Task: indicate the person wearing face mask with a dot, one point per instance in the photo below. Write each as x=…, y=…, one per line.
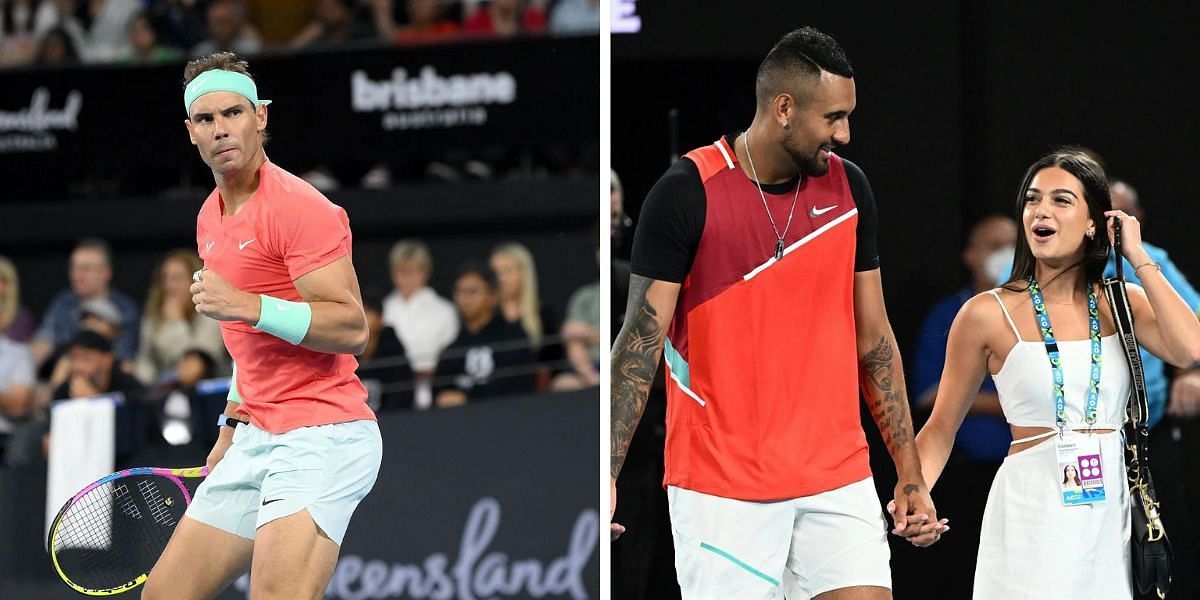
x=983, y=437
x=1048, y=340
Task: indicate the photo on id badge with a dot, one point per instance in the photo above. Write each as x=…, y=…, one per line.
x=1080, y=470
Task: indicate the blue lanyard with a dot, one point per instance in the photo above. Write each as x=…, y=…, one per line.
x=1043, y=319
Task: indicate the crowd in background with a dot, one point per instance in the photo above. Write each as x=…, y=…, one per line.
x=489, y=336
x=132, y=32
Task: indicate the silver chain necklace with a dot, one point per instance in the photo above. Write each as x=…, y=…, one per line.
x=778, y=237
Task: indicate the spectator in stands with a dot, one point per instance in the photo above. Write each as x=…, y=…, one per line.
x=581, y=336
x=16, y=322
x=489, y=358
x=91, y=276
x=425, y=322
x=22, y=22
x=57, y=47
x=506, y=18
x=427, y=22
x=178, y=24
x=385, y=361
x=519, y=300
x=984, y=436
x=94, y=371
x=108, y=33
x=180, y=407
x=171, y=326
x=144, y=45
x=228, y=30
x=335, y=22
x=99, y=315
x=575, y=17
x=16, y=386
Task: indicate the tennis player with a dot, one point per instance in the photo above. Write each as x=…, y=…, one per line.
x=299, y=448
x=771, y=316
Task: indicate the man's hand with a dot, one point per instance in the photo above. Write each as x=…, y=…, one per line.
x=82, y=387
x=1185, y=395
x=914, y=515
x=224, y=441
x=216, y=298
x=614, y=528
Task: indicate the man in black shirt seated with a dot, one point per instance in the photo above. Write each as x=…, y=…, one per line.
x=490, y=357
x=94, y=371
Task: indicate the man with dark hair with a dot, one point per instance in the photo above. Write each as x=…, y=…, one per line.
x=770, y=313
x=490, y=357
x=278, y=276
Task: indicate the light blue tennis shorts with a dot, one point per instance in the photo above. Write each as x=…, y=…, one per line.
x=327, y=469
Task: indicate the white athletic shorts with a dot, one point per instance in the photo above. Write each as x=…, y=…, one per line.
x=326, y=469
x=793, y=549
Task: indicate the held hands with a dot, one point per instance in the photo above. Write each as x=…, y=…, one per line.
x=216, y=298
x=914, y=516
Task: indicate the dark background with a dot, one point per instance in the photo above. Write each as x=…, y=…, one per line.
x=955, y=100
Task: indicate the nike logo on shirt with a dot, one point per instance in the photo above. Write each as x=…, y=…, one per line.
x=242, y=245
x=816, y=212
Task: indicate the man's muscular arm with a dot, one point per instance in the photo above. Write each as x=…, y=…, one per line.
x=635, y=358
x=338, y=326
x=881, y=377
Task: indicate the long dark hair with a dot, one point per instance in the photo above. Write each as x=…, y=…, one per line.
x=1095, y=193
x=1067, y=478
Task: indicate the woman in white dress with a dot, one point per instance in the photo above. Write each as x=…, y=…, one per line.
x=1043, y=538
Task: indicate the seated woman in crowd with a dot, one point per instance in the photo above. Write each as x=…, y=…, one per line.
x=171, y=325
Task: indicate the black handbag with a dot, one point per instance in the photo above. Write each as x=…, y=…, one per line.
x=1150, y=549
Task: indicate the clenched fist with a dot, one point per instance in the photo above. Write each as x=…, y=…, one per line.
x=216, y=298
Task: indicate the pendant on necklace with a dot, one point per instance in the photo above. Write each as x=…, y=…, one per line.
x=779, y=250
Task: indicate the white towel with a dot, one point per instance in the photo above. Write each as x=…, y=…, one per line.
x=82, y=439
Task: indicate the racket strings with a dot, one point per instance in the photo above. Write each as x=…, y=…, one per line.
x=116, y=532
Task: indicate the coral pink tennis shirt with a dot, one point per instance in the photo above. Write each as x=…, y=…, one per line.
x=285, y=231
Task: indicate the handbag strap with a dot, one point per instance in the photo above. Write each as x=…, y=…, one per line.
x=1137, y=410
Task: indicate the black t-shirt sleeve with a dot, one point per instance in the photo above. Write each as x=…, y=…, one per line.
x=866, y=256
x=670, y=225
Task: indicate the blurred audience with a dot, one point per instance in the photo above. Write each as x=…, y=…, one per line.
x=427, y=22
x=338, y=21
x=91, y=275
x=425, y=322
x=16, y=387
x=94, y=371
x=16, y=321
x=171, y=326
x=506, y=18
x=108, y=30
x=145, y=47
x=178, y=405
x=21, y=23
x=575, y=17
x=581, y=336
x=57, y=47
x=490, y=357
x=384, y=366
x=519, y=301
x=228, y=29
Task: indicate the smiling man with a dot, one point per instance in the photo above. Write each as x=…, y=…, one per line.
x=299, y=448
x=756, y=274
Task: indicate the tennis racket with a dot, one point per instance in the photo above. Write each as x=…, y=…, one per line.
x=107, y=537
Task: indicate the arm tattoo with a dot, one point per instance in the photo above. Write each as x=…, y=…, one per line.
x=886, y=400
x=634, y=362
